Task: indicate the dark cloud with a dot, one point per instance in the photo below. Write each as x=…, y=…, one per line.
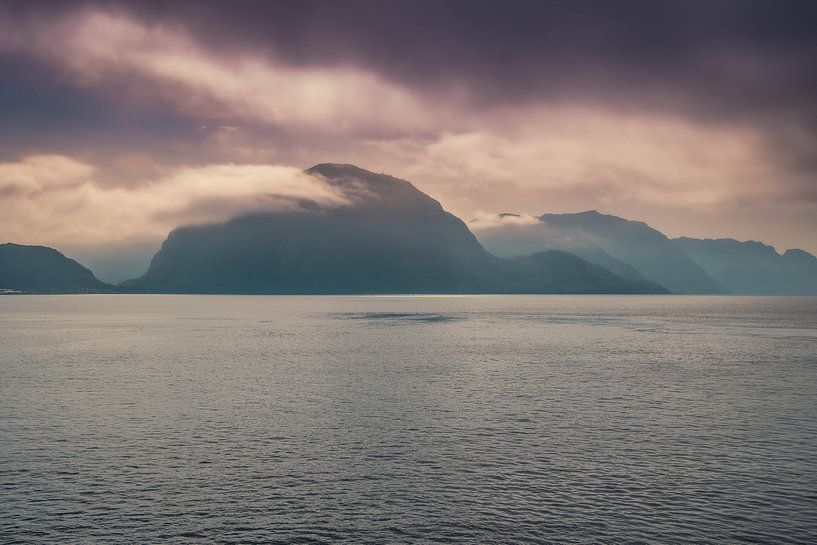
x=748, y=62
x=714, y=59
x=678, y=103
x=43, y=111
x=748, y=54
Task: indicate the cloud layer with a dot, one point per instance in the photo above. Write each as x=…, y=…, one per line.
x=57, y=200
x=695, y=117
x=105, y=49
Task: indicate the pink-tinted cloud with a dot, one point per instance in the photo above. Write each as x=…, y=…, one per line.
x=59, y=200
x=602, y=156
x=105, y=49
x=532, y=156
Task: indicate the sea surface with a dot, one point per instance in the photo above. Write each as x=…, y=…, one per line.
x=473, y=419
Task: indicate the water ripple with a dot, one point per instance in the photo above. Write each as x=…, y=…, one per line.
x=545, y=420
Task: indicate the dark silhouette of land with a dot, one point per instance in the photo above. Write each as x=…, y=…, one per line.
x=391, y=237
x=753, y=267
x=43, y=270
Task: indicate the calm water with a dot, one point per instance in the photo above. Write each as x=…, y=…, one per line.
x=544, y=419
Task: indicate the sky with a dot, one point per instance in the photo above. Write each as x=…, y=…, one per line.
x=122, y=120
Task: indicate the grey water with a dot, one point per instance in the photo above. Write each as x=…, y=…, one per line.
x=474, y=419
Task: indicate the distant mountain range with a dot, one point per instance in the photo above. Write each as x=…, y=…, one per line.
x=684, y=265
x=630, y=248
x=393, y=238
x=753, y=267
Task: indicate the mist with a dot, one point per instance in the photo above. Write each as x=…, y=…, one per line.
x=61, y=201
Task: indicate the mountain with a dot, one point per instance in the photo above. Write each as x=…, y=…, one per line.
x=754, y=268
x=630, y=249
x=41, y=269
x=390, y=238
x=555, y=271
x=637, y=244
x=801, y=258
x=511, y=240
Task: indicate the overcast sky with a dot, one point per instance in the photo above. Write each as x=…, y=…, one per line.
x=120, y=120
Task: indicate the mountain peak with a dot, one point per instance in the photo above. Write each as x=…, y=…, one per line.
x=595, y=219
x=370, y=188
x=730, y=244
x=592, y=215
x=334, y=170
x=798, y=252
x=801, y=257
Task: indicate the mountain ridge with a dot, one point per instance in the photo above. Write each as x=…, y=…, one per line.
x=615, y=242
x=391, y=238
x=387, y=236
x=754, y=268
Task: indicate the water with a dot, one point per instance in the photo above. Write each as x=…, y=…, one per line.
x=542, y=419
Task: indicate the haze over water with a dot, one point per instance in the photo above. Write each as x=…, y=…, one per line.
x=475, y=419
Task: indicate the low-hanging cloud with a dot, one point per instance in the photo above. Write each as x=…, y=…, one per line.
x=509, y=235
x=56, y=200
x=486, y=221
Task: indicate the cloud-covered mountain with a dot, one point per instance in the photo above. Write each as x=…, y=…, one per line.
x=44, y=270
x=631, y=249
x=754, y=268
x=516, y=235
x=389, y=237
